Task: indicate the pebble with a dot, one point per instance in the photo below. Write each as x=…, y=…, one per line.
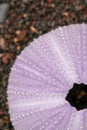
x=25, y=15
x=15, y=39
x=49, y=1
x=1, y=55
x=18, y=32
x=66, y=14
x=7, y=57
x=1, y=123
x=6, y=120
x=10, y=31
x=1, y=112
x=3, y=43
x=18, y=48
x=22, y=35
x=33, y=29
x=25, y=1
x=4, y=7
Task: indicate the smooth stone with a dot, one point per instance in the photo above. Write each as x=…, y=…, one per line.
x=4, y=7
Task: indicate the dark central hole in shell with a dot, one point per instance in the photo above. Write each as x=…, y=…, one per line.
x=77, y=96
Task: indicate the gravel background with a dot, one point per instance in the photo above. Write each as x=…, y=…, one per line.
x=26, y=20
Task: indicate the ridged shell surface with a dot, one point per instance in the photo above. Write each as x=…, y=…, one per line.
x=41, y=78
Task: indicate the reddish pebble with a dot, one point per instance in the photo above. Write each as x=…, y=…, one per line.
x=14, y=15
x=49, y=1
x=1, y=112
x=8, y=56
x=6, y=119
x=22, y=35
x=10, y=30
x=80, y=7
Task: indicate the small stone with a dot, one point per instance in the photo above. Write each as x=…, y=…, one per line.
x=4, y=7
x=6, y=119
x=18, y=32
x=1, y=26
x=22, y=35
x=1, y=55
x=1, y=123
x=33, y=29
x=18, y=48
x=52, y=5
x=10, y=30
x=25, y=15
x=5, y=60
x=14, y=15
x=1, y=112
x=80, y=7
x=3, y=43
x=7, y=57
x=8, y=22
x=6, y=104
x=15, y=40
x=66, y=14
x=25, y=1
x=49, y=1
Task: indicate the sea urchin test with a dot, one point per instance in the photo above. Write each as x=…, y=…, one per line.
x=47, y=88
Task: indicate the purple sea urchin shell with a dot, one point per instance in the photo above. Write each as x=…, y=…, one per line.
x=42, y=76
